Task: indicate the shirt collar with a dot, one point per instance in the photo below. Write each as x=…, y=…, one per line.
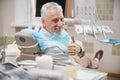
x=45, y=33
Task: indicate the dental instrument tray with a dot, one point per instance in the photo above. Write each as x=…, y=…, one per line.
x=111, y=41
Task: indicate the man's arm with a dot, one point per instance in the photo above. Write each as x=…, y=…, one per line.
x=75, y=47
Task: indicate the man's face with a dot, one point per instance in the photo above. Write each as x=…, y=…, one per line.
x=54, y=21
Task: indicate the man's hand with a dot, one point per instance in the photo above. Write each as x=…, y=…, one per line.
x=73, y=48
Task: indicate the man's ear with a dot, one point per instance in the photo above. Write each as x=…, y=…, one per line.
x=43, y=22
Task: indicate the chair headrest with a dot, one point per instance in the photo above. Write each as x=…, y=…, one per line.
x=26, y=42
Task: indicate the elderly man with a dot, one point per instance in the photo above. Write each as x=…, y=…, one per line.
x=59, y=44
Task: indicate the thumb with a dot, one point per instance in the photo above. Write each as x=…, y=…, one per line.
x=73, y=39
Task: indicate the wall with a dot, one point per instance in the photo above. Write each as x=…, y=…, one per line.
x=7, y=18
x=1, y=28
x=110, y=61
x=12, y=12
x=21, y=11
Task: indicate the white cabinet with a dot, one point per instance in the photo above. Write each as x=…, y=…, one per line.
x=22, y=12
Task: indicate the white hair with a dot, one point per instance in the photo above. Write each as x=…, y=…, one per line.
x=49, y=5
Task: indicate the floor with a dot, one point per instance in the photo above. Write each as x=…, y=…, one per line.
x=111, y=78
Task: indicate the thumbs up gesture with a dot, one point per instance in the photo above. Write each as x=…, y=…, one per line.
x=73, y=48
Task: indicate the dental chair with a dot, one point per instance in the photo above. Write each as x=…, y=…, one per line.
x=29, y=48
x=28, y=45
